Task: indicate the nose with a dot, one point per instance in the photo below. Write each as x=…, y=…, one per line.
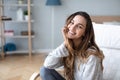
x=71, y=27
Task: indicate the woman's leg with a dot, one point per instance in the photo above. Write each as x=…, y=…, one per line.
x=50, y=74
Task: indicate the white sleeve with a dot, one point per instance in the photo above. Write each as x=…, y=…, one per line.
x=92, y=70
x=53, y=60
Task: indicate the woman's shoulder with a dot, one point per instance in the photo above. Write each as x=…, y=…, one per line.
x=91, y=50
x=93, y=59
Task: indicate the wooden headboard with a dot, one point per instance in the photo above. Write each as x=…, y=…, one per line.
x=101, y=19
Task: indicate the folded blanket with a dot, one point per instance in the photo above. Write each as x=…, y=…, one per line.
x=9, y=47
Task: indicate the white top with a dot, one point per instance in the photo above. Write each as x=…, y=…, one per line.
x=91, y=70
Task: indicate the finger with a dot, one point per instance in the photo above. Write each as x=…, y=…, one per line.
x=65, y=29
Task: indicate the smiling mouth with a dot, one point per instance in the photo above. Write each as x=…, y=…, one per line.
x=72, y=33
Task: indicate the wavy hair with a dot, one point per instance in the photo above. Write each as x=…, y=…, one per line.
x=82, y=53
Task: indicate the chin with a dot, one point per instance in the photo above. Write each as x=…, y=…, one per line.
x=70, y=37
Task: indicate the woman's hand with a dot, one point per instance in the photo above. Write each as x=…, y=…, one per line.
x=64, y=32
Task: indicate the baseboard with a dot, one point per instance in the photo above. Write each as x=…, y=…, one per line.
x=43, y=51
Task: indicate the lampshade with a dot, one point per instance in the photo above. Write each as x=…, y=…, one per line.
x=53, y=2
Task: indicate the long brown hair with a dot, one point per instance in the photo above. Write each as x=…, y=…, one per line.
x=87, y=42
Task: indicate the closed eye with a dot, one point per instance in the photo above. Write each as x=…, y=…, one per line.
x=80, y=26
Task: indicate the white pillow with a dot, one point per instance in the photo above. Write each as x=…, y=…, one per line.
x=107, y=35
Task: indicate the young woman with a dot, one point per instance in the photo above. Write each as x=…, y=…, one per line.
x=79, y=54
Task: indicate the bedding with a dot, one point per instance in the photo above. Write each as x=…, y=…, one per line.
x=108, y=39
x=111, y=64
x=107, y=35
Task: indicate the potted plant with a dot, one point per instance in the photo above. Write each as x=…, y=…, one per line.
x=26, y=14
x=20, y=1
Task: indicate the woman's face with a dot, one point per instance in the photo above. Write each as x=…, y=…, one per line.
x=76, y=28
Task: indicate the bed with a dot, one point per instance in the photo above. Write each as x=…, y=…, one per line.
x=107, y=33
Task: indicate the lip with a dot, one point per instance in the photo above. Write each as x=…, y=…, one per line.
x=72, y=33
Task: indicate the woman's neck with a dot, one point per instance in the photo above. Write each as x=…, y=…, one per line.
x=76, y=43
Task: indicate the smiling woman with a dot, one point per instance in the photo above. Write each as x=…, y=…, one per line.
x=79, y=54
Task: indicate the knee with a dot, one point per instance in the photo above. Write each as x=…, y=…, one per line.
x=43, y=71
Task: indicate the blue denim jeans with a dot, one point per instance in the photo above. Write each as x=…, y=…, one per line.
x=50, y=74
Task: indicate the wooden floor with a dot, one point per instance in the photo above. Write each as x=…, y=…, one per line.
x=20, y=67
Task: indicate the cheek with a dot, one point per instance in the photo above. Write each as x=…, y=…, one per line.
x=80, y=33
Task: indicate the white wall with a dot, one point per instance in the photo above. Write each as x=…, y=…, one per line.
x=42, y=16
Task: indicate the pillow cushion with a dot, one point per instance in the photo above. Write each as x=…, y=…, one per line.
x=107, y=35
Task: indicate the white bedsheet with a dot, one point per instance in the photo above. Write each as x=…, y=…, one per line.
x=111, y=64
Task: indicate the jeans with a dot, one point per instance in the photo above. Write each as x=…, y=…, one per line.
x=50, y=74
